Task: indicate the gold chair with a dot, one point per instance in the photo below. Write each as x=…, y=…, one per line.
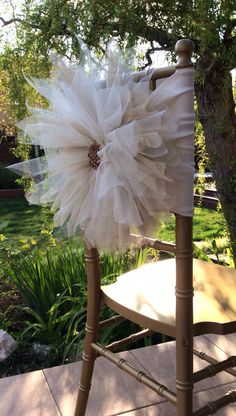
x=211, y=310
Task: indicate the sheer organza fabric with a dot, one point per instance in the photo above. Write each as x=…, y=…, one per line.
x=145, y=151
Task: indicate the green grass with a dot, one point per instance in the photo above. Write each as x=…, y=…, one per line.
x=207, y=225
x=23, y=220
x=26, y=221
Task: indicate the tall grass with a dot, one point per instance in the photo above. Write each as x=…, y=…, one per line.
x=53, y=288
x=42, y=278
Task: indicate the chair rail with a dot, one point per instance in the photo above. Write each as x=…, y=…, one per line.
x=154, y=243
x=212, y=407
x=140, y=376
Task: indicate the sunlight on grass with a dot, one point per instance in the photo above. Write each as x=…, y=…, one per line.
x=207, y=225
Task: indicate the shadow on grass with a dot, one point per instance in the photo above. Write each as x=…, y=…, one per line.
x=23, y=220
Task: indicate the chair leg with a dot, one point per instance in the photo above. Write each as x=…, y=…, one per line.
x=91, y=329
x=184, y=373
x=89, y=356
x=184, y=402
x=184, y=316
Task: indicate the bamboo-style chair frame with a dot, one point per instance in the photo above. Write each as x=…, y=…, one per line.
x=184, y=329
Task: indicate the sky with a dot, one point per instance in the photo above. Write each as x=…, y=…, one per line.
x=6, y=11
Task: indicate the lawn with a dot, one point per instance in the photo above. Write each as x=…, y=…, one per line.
x=207, y=225
x=26, y=221
x=23, y=220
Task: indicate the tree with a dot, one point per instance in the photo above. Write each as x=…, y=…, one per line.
x=7, y=122
x=52, y=25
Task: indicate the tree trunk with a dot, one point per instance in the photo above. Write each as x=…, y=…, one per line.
x=216, y=110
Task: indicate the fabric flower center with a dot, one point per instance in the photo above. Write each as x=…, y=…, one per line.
x=94, y=159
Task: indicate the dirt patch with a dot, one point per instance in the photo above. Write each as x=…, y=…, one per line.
x=9, y=297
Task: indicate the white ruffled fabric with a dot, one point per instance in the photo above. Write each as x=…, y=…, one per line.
x=146, y=150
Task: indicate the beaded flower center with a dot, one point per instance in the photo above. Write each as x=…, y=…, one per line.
x=94, y=159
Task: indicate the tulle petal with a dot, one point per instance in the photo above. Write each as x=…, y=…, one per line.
x=144, y=145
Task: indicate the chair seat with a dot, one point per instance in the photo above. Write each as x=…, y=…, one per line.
x=147, y=296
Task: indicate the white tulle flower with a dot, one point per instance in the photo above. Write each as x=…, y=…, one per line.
x=111, y=149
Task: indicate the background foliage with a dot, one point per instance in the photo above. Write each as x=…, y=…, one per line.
x=46, y=26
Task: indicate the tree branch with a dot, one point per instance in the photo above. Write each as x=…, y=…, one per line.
x=150, y=51
x=228, y=35
x=9, y=22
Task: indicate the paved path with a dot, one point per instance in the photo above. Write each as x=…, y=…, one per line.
x=52, y=392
